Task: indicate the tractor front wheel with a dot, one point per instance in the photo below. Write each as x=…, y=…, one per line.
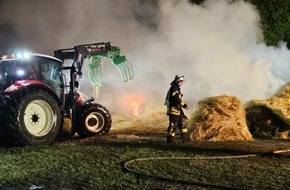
x=93, y=119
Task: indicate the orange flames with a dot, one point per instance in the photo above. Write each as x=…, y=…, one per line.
x=134, y=101
x=136, y=106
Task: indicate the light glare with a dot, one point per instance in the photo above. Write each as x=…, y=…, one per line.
x=19, y=55
x=26, y=55
x=20, y=72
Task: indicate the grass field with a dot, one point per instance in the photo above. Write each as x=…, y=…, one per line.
x=98, y=163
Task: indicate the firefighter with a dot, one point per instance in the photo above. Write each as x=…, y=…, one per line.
x=175, y=107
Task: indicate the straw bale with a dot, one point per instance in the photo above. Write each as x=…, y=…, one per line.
x=219, y=118
x=270, y=117
x=66, y=129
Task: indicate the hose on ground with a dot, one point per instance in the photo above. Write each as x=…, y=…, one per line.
x=126, y=166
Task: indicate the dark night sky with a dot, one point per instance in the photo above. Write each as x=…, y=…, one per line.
x=43, y=25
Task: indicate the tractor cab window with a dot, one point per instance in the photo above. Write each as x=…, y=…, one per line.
x=5, y=73
x=13, y=70
x=32, y=71
x=25, y=70
x=50, y=71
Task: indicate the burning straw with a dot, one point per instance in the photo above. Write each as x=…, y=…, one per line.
x=270, y=117
x=219, y=118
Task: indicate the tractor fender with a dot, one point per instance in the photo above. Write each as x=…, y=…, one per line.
x=23, y=85
x=82, y=103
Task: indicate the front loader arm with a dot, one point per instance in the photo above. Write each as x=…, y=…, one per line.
x=96, y=52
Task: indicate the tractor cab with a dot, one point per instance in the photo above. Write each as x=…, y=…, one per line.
x=31, y=67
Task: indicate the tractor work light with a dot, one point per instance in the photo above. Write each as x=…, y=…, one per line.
x=11, y=56
x=20, y=55
x=4, y=57
x=23, y=55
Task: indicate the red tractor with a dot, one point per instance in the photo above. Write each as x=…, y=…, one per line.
x=35, y=95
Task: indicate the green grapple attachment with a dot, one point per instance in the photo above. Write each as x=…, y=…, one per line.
x=94, y=53
x=95, y=73
x=120, y=62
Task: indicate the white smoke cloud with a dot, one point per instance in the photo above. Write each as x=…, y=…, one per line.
x=218, y=45
x=210, y=45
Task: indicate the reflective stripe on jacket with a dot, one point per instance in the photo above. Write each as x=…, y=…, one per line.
x=173, y=100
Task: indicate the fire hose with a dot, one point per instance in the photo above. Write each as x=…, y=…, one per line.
x=126, y=166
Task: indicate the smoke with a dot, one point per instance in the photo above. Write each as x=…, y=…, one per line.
x=217, y=45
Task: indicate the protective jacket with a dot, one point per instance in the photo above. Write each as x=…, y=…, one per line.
x=173, y=100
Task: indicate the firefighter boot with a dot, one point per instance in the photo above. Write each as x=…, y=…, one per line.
x=184, y=137
x=170, y=139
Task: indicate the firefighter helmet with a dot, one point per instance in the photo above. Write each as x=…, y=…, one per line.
x=177, y=78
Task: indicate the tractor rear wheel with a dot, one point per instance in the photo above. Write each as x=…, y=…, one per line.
x=34, y=118
x=93, y=119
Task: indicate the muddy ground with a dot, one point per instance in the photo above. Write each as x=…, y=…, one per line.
x=147, y=127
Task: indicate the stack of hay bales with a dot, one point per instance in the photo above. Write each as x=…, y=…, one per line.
x=270, y=117
x=219, y=118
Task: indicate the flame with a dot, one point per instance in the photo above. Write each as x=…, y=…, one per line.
x=136, y=106
x=134, y=101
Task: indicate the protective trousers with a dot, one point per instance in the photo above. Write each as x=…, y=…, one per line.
x=177, y=121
